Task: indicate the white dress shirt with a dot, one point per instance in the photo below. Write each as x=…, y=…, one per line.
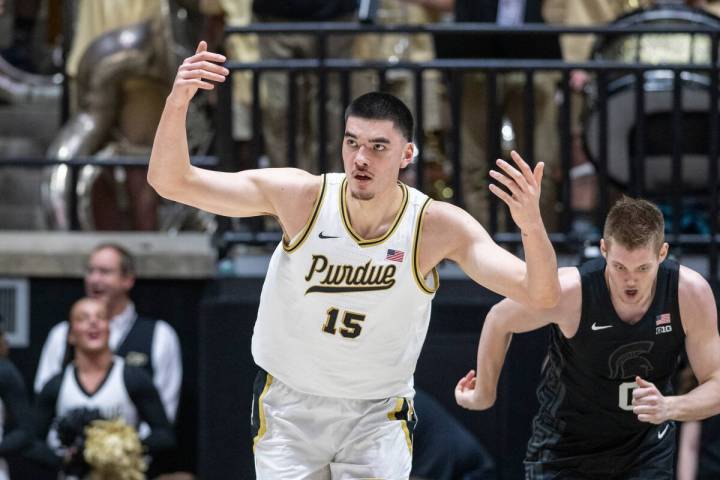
x=166, y=357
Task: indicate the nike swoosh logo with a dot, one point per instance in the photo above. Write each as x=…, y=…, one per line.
x=600, y=327
x=662, y=432
x=323, y=236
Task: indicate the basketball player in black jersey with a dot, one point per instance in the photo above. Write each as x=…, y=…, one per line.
x=606, y=404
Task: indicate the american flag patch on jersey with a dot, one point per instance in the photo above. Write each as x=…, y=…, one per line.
x=395, y=255
x=662, y=319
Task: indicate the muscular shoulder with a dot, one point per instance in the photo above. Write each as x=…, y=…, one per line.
x=449, y=227
x=570, y=287
x=695, y=297
x=294, y=198
x=569, y=307
x=692, y=285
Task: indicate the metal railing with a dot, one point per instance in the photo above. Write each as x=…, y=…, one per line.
x=453, y=69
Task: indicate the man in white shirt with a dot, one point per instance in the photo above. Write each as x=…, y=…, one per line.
x=148, y=343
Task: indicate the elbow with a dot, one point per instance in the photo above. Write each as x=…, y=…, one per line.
x=547, y=297
x=156, y=181
x=163, y=185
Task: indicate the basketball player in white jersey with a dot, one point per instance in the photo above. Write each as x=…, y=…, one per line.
x=346, y=302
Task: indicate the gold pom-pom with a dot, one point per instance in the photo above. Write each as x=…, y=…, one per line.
x=113, y=451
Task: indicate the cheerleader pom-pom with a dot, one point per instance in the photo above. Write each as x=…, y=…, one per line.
x=113, y=451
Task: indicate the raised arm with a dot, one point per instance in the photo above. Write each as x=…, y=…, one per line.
x=284, y=193
x=698, y=313
x=451, y=233
x=478, y=389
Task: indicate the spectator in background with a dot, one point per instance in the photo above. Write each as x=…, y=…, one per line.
x=275, y=85
x=510, y=97
x=15, y=414
x=404, y=47
x=96, y=384
x=142, y=342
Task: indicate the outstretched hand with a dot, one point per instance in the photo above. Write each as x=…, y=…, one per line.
x=197, y=72
x=649, y=404
x=524, y=186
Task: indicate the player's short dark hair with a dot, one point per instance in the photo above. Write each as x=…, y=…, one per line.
x=383, y=106
x=635, y=223
x=127, y=262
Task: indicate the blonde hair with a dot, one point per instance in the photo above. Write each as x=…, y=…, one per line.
x=635, y=223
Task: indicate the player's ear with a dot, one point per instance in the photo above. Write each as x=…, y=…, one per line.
x=408, y=154
x=664, y=251
x=603, y=247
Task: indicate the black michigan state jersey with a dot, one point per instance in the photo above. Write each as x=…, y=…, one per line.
x=585, y=417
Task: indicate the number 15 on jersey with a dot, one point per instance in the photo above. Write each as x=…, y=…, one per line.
x=351, y=325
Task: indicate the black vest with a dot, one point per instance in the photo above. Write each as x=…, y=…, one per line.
x=585, y=393
x=136, y=348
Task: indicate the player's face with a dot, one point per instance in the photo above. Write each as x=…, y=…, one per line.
x=631, y=274
x=104, y=278
x=89, y=326
x=373, y=153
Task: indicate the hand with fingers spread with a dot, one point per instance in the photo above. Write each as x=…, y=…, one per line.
x=197, y=72
x=467, y=395
x=523, y=185
x=649, y=404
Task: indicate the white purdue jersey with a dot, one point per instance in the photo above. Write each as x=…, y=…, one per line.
x=342, y=316
x=111, y=399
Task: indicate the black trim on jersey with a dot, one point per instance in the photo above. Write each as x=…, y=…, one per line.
x=291, y=247
x=258, y=419
x=258, y=386
x=371, y=241
x=416, y=241
x=99, y=387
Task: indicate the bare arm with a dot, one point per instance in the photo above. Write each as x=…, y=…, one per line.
x=702, y=343
x=240, y=194
x=478, y=389
x=688, y=450
x=449, y=232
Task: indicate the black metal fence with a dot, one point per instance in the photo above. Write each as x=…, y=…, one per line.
x=648, y=131
x=683, y=133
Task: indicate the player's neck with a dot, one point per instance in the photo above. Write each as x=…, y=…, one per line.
x=631, y=312
x=372, y=218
